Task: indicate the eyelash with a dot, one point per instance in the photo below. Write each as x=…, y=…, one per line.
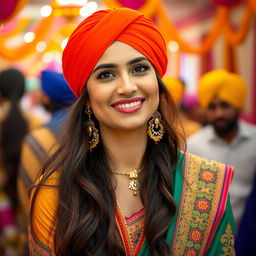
x=102, y=75
x=109, y=74
x=145, y=67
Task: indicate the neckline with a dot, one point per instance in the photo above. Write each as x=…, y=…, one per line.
x=123, y=227
x=139, y=212
x=132, y=215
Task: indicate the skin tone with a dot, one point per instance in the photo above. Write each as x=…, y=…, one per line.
x=123, y=93
x=224, y=118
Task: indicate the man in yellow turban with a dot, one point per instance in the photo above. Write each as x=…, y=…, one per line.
x=226, y=138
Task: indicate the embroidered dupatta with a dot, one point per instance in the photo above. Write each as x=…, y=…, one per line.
x=203, y=224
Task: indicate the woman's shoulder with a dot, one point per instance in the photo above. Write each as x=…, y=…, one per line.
x=45, y=191
x=44, y=208
x=201, y=177
x=204, y=166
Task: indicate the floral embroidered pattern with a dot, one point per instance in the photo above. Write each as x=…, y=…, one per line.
x=199, y=206
x=227, y=239
x=191, y=252
x=207, y=176
x=196, y=235
x=202, y=205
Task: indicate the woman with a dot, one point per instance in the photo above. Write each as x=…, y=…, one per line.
x=118, y=183
x=13, y=127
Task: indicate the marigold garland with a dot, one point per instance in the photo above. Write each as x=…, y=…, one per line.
x=151, y=8
x=21, y=26
x=170, y=32
x=26, y=49
x=235, y=37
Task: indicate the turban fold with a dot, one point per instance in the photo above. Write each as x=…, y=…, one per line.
x=175, y=88
x=56, y=88
x=96, y=33
x=228, y=86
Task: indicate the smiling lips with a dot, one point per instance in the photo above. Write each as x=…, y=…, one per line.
x=128, y=106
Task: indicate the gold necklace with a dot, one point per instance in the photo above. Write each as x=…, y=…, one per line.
x=133, y=175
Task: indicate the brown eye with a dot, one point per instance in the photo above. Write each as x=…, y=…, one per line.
x=105, y=75
x=140, y=68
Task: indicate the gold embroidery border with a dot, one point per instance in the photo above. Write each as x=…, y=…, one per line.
x=190, y=194
x=227, y=240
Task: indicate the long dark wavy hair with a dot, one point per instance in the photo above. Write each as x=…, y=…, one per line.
x=13, y=128
x=85, y=216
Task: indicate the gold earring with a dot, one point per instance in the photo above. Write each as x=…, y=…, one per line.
x=156, y=128
x=92, y=130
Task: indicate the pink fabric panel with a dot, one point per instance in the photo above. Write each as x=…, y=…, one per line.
x=7, y=8
x=226, y=2
x=133, y=4
x=6, y=218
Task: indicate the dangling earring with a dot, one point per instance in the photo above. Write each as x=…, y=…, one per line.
x=92, y=130
x=156, y=128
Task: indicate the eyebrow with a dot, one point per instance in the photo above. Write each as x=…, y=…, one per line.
x=136, y=60
x=110, y=65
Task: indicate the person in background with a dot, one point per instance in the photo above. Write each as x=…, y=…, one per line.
x=32, y=101
x=39, y=143
x=118, y=183
x=226, y=138
x=14, y=127
x=177, y=89
x=245, y=238
x=192, y=110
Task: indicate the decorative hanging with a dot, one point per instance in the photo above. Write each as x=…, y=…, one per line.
x=226, y=2
x=10, y=8
x=147, y=7
x=221, y=26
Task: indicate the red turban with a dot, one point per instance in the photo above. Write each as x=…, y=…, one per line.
x=96, y=33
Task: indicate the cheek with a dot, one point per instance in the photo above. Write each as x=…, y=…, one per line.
x=209, y=115
x=153, y=91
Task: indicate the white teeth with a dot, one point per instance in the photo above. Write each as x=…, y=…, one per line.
x=129, y=105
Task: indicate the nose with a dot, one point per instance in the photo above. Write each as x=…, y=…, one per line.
x=219, y=112
x=126, y=85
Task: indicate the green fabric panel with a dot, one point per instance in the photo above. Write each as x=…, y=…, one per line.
x=218, y=247
x=177, y=190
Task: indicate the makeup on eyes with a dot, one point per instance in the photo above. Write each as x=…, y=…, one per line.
x=108, y=74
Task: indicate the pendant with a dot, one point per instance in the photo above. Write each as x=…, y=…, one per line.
x=134, y=186
x=133, y=183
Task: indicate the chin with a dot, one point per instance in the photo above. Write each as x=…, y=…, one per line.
x=223, y=129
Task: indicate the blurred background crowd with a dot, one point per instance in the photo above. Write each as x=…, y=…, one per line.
x=211, y=75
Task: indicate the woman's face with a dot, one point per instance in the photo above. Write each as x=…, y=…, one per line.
x=123, y=88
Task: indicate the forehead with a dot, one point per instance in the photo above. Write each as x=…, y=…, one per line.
x=119, y=52
x=218, y=101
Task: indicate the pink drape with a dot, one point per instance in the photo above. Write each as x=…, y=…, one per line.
x=226, y=2
x=133, y=4
x=7, y=8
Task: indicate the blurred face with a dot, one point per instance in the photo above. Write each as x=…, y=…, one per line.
x=123, y=88
x=222, y=116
